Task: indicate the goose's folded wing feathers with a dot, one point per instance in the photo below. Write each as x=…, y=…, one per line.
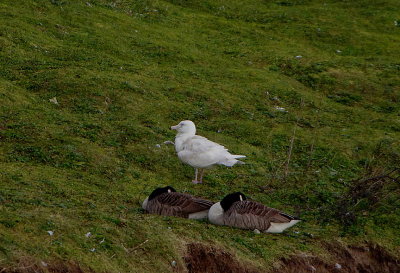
x=184, y=202
x=247, y=207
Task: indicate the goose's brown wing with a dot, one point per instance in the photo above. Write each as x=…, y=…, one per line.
x=177, y=204
x=252, y=215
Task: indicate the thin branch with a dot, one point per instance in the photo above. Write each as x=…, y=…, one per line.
x=311, y=153
x=134, y=248
x=289, y=153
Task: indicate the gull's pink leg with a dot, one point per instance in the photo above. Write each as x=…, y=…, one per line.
x=201, y=176
x=195, y=179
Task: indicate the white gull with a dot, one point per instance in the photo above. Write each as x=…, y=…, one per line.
x=199, y=152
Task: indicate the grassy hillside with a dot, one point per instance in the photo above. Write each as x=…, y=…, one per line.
x=123, y=72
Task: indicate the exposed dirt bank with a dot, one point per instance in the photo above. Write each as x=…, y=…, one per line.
x=207, y=259
x=351, y=259
x=202, y=258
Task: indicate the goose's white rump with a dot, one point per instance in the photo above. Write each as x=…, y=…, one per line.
x=198, y=151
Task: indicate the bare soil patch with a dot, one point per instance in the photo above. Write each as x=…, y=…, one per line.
x=350, y=259
x=202, y=258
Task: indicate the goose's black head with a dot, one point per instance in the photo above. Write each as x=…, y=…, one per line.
x=159, y=191
x=228, y=200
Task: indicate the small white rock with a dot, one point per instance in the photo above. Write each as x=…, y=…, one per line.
x=299, y=56
x=256, y=231
x=280, y=109
x=102, y=241
x=219, y=130
x=169, y=228
x=54, y=100
x=51, y=233
x=44, y=263
x=92, y=250
x=338, y=51
x=338, y=266
x=158, y=146
x=121, y=68
x=395, y=23
x=88, y=4
x=275, y=98
x=87, y=235
x=173, y=263
x=168, y=142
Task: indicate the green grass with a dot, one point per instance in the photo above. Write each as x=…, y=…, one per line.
x=123, y=72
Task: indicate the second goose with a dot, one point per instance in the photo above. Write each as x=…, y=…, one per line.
x=234, y=210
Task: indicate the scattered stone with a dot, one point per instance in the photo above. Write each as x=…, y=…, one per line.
x=280, y=109
x=395, y=23
x=338, y=51
x=102, y=241
x=219, y=130
x=158, y=146
x=256, y=231
x=275, y=98
x=92, y=250
x=168, y=142
x=169, y=228
x=40, y=24
x=121, y=68
x=51, y=233
x=107, y=100
x=44, y=263
x=88, y=4
x=308, y=234
x=299, y=56
x=87, y=235
x=338, y=266
x=173, y=263
x=54, y=100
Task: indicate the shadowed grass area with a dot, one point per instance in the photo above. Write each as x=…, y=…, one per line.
x=246, y=73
